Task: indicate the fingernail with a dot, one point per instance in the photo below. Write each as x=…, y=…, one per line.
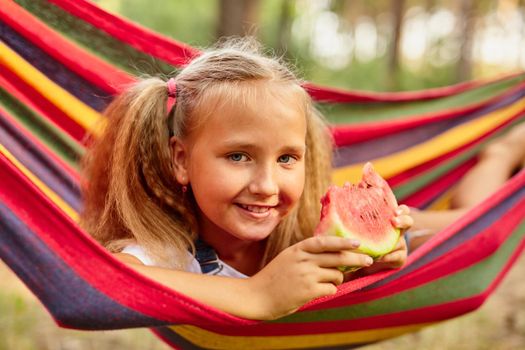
x=369, y=261
x=355, y=243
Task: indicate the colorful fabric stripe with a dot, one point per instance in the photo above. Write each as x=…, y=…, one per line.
x=71, y=111
x=47, y=42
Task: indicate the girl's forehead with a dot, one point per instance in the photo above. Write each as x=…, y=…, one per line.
x=254, y=112
x=242, y=101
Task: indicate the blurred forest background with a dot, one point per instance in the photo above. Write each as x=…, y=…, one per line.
x=375, y=45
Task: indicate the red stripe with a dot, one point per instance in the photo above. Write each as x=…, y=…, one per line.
x=13, y=90
x=81, y=253
x=139, y=37
x=439, y=186
x=85, y=64
x=33, y=98
x=64, y=166
x=330, y=94
x=178, y=54
x=409, y=174
x=345, y=135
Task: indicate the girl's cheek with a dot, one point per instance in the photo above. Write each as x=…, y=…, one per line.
x=295, y=186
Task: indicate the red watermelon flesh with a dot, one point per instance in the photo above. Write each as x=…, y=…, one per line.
x=363, y=211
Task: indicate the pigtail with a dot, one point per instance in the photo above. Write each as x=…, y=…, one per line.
x=133, y=195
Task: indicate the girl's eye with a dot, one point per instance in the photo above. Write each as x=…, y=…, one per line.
x=287, y=159
x=238, y=157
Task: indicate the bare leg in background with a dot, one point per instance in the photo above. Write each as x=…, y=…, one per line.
x=497, y=163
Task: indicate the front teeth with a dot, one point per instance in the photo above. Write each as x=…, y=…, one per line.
x=255, y=209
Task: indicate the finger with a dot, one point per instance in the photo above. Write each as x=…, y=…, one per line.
x=403, y=221
x=321, y=244
x=394, y=259
x=403, y=209
x=324, y=289
x=343, y=258
x=331, y=276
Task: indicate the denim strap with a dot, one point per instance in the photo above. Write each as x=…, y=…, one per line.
x=207, y=258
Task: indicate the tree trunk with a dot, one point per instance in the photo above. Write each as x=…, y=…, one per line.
x=285, y=26
x=467, y=28
x=350, y=12
x=398, y=7
x=238, y=17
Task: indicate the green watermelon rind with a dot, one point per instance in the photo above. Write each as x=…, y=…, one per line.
x=371, y=249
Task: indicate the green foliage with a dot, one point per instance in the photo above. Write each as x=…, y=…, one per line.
x=192, y=22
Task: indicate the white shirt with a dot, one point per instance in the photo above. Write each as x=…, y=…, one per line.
x=193, y=267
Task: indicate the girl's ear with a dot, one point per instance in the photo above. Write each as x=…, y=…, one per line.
x=180, y=160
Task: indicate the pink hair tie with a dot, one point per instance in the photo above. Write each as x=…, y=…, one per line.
x=172, y=94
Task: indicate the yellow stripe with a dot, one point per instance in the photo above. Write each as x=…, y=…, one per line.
x=84, y=115
x=439, y=145
x=211, y=340
x=46, y=190
x=443, y=202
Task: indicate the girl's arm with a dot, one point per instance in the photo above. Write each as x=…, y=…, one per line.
x=300, y=273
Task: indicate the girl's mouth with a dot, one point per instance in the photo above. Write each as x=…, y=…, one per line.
x=255, y=211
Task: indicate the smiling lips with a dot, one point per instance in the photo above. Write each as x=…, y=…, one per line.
x=258, y=211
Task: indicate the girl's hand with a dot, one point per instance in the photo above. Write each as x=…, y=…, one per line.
x=402, y=219
x=302, y=272
x=397, y=257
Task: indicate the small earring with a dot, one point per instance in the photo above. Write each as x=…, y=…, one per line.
x=184, y=189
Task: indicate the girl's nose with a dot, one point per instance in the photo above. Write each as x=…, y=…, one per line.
x=264, y=182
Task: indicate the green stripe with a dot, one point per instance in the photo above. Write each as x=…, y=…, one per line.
x=95, y=40
x=354, y=113
x=463, y=284
x=423, y=180
x=44, y=130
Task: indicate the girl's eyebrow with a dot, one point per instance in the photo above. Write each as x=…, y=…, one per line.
x=300, y=148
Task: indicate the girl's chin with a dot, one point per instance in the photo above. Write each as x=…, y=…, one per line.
x=252, y=234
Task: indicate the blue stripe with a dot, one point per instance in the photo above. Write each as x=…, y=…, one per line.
x=69, y=298
x=388, y=144
x=169, y=336
x=39, y=163
x=54, y=70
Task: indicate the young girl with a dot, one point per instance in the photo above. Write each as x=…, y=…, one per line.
x=229, y=158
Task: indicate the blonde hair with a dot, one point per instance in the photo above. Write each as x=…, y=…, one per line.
x=131, y=194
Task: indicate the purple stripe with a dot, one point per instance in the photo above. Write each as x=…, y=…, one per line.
x=54, y=70
x=40, y=164
x=70, y=299
x=389, y=144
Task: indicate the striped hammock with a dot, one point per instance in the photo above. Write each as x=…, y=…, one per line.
x=61, y=61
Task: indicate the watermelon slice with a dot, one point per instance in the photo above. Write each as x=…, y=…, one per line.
x=363, y=211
